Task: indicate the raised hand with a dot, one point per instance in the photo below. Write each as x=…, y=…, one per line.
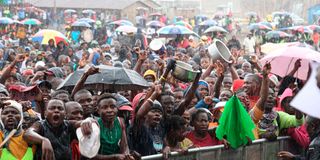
x=19, y=58
x=297, y=64
x=266, y=69
x=92, y=70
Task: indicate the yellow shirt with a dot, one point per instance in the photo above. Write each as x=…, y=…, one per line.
x=17, y=145
x=256, y=115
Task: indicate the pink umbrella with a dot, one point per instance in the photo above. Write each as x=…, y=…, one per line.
x=282, y=60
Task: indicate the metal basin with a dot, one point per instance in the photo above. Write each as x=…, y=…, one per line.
x=184, y=72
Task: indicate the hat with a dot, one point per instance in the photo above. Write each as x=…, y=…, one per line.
x=237, y=84
x=121, y=100
x=117, y=64
x=89, y=145
x=125, y=108
x=156, y=44
x=44, y=83
x=273, y=78
x=150, y=73
x=157, y=105
x=20, y=88
x=27, y=72
x=39, y=64
x=15, y=105
x=219, y=105
x=57, y=72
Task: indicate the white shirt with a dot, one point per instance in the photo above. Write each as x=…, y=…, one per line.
x=249, y=44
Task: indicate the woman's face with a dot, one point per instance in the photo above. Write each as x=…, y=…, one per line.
x=203, y=91
x=225, y=95
x=201, y=123
x=204, y=63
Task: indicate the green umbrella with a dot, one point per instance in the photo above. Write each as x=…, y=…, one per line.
x=235, y=123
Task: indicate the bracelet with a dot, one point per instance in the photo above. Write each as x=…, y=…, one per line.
x=150, y=100
x=162, y=78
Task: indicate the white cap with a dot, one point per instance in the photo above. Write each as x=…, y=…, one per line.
x=156, y=44
x=220, y=105
x=40, y=64
x=89, y=145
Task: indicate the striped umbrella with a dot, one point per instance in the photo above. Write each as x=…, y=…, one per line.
x=43, y=37
x=6, y=20
x=122, y=23
x=185, y=24
x=175, y=30
x=155, y=24
x=31, y=21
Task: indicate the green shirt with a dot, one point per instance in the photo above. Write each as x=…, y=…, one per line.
x=110, y=138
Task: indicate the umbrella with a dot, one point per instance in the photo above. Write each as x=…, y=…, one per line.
x=270, y=47
x=251, y=14
x=175, y=30
x=258, y=26
x=266, y=23
x=16, y=22
x=183, y=23
x=31, y=21
x=215, y=29
x=314, y=27
x=302, y=29
x=88, y=11
x=109, y=78
x=70, y=11
x=127, y=29
x=235, y=124
x=155, y=24
x=122, y=23
x=43, y=36
x=80, y=24
x=208, y=22
x=307, y=100
x=277, y=34
x=155, y=14
x=6, y=20
x=282, y=60
x=88, y=20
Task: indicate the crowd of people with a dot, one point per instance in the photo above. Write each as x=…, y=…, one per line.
x=39, y=117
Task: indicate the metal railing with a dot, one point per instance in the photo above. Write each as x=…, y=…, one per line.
x=260, y=149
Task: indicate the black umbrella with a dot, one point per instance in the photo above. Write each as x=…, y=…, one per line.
x=109, y=78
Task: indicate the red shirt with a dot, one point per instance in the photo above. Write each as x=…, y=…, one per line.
x=202, y=142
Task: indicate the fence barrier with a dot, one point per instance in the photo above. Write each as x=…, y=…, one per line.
x=260, y=149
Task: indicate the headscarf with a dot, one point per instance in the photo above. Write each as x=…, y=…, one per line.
x=150, y=73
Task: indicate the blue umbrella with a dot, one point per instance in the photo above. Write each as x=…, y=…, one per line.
x=208, y=23
x=277, y=34
x=88, y=20
x=175, y=30
x=155, y=24
x=266, y=23
x=80, y=24
x=122, y=23
x=6, y=20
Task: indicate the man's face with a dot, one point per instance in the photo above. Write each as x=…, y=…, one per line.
x=55, y=113
x=153, y=117
x=86, y=101
x=10, y=118
x=10, y=81
x=74, y=112
x=211, y=81
x=204, y=63
x=227, y=82
x=271, y=101
x=108, y=109
x=168, y=103
x=250, y=86
x=149, y=78
x=178, y=96
x=246, y=67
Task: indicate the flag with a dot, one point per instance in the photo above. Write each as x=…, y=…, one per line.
x=235, y=124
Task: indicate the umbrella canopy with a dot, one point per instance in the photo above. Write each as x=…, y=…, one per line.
x=215, y=29
x=277, y=34
x=6, y=20
x=88, y=20
x=70, y=11
x=122, y=23
x=302, y=29
x=183, y=23
x=88, y=11
x=258, y=26
x=16, y=22
x=270, y=47
x=175, y=30
x=287, y=56
x=109, y=78
x=266, y=23
x=155, y=24
x=307, y=100
x=80, y=24
x=251, y=14
x=43, y=36
x=209, y=22
x=314, y=27
x=155, y=14
x=31, y=21
x=127, y=29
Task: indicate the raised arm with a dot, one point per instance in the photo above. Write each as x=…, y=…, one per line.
x=233, y=71
x=7, y=71
x=264, y=91
x=142, y=57
x=297, y=65
x=189, y=96
x=80, y=83
x=220, y=73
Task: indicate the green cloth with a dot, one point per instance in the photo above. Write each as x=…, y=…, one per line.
x=8, y=156
x=110, y=138
x=235, y=123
